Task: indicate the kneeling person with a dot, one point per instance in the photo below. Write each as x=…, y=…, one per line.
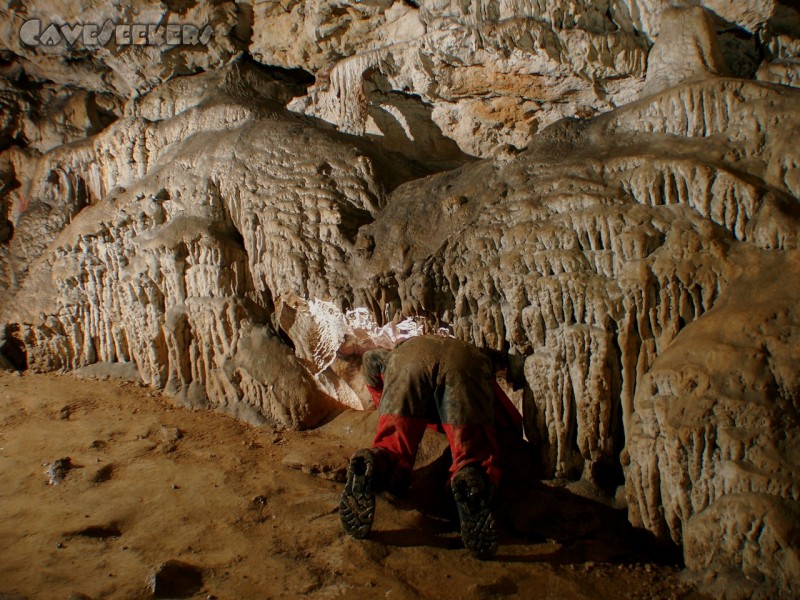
x=439, y=382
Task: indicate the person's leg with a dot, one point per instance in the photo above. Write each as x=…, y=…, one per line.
x=399, y=436
x=406, y=408
x=464, y=401
x=474, y=479
x=473, y=445
x=403, y=417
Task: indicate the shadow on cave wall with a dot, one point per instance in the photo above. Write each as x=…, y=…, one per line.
x=13, y=349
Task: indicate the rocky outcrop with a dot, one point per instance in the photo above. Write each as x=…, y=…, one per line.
x=480, y=80
x=315, y=34
x=687, y=49
x=180, y=241
x=712, y=450
x=45, y=116
x=103, y=59
x=589, y=254
x=782, y=63
x=590, y=271
x=620, y=214
x=436, y=79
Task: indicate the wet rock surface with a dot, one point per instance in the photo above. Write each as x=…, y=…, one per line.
x=607, y=192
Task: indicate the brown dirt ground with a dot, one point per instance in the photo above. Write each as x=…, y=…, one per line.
x=256, y=510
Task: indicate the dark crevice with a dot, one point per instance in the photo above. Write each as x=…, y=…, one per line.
x=611, y=20
x=6, y=230
x=14, y=349
x=614, y=476
x=283, y=336
x=786, y=18
x=243, y=32
x=573, y=470
x=180, y=6
x=9, y=183
x=352, y=219
x=181, y=251
x=81, y=196
x=237, y=237
x=100, y=532
x=740, y=48
x=299, y=78
x=101, y=117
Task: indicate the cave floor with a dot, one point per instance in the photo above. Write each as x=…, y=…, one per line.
x=256, y=510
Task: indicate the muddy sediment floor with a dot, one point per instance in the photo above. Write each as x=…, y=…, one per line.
x=256, y=512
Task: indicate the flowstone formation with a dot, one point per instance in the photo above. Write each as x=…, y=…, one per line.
x=605, y=191
x=179, y=226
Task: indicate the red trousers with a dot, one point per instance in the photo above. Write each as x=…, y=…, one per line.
x=469, y=444
x=441, y=382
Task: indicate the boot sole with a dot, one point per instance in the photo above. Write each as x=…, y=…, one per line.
x=357, y=505
x=478, y=529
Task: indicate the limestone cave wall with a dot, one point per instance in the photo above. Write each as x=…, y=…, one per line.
x=608, y=192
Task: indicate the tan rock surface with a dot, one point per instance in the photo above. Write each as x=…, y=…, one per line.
x=480, y=83
x=686, y=50
x=588, y=254
x=716, y=418
x=177, y=273
x=195, y=230
x=123, y=69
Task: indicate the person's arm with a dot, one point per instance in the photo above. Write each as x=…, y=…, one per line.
x=376, y=393
x=374, y=364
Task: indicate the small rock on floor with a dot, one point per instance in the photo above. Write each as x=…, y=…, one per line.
x=58, y=469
